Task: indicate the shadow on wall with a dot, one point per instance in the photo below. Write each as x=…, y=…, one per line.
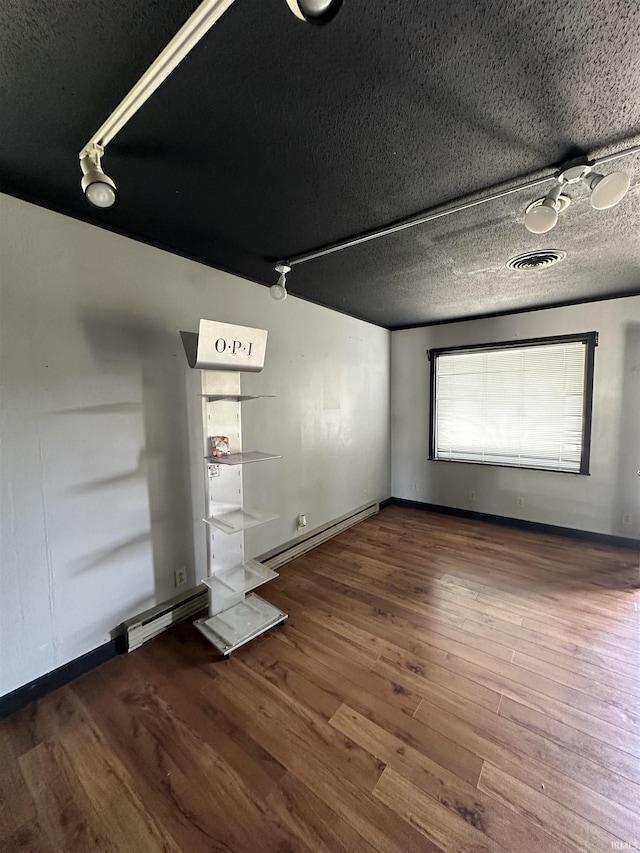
x=154, y=353
x=114, y=552
x=628, y=483
x=117, y=480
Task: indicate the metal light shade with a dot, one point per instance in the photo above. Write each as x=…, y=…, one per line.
x=315, y=11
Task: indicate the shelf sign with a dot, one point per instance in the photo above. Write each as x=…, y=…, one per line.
x=223, y=346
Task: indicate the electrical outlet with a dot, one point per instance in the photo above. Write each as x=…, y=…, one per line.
x=302, y=521
x=180, y=576
x=627, y=518
x=472, y=495
x=416, y=487
x=213, y=470
x=519, y=500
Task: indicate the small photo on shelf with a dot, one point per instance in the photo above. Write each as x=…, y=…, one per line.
x=219, y=445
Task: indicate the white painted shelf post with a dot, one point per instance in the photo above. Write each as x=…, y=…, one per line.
x=236, y=615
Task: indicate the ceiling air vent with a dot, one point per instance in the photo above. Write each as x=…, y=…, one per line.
x=536, y=260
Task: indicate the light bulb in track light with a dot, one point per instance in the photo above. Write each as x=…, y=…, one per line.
x=101, y=193
x=607, y=190
x=99, y=190
x=542, y=216
x=315, y=11
x=279, y=290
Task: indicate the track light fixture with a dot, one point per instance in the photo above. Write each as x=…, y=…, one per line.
x=98, y=188
x=315, y=11
x=606, y=191
x=279, y=290
x=542, y=215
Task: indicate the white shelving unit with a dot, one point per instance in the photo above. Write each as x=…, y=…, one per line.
x=236, y=615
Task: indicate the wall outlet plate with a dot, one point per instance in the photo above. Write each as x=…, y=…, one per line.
x=180, y=576
x=472, y=495
x=519, y=500
x=627, y=518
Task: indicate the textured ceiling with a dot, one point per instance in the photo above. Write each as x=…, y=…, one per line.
x=274, y=137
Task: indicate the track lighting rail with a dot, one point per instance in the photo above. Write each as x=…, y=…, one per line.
x=187, y=37
x=317, y=12
x=441, y=211
x=421, y=218
x=627, y=152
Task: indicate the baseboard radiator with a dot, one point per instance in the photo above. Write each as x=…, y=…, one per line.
x=157, y=619
x=274, y=560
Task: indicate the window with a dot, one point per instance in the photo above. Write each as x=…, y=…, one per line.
x=524, y=404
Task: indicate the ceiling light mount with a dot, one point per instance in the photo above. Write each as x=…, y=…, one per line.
x=574, y=174
x=606, y=191
x=279, y=290
x=98, y=188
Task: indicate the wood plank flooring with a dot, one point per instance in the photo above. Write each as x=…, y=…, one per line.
x=441, y=685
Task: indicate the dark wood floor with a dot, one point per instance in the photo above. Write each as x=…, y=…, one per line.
x=440, y=685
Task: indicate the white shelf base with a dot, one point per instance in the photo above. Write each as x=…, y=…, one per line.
x=234, y=627
x=241, y=578
x=238, y=520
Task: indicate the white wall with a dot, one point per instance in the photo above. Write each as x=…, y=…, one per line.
x=595, y=503
x=96, y=490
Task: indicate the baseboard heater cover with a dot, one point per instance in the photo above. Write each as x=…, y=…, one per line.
x=297, y=549
x=157, y=619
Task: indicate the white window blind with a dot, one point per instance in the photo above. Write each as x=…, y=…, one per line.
x=517, y=406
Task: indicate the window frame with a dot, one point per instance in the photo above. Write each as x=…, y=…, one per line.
x=590, y=339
